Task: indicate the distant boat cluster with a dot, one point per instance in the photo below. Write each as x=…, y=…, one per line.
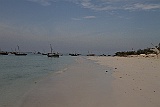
x=15, y=53
x=50, y=54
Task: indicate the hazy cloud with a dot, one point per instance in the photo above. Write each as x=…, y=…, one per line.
x=42, y=2
x=76, y=19
x=108, y=5
x=139, y=6
x=85, y=17
x=89, y=17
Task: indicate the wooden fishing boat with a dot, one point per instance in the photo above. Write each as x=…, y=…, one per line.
x=53, y=54
x=19, y=53
x=3, y=53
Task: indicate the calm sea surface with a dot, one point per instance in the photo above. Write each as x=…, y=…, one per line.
x=19, y=73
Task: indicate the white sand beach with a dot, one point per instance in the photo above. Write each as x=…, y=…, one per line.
x=128, y=82
x=137, y=80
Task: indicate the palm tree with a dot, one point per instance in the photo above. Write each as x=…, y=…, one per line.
x=159, y=46
x=157, y=49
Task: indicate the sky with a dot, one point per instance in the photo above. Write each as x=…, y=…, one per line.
x=97, y=26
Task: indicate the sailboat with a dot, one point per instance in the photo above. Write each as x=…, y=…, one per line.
x=20, y=53
x=52, y=54
x=90, y=54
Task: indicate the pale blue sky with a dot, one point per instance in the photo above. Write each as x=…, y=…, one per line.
x=100, y=26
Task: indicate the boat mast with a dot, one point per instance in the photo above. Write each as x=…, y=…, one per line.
x=51, y=48
x=18, y=48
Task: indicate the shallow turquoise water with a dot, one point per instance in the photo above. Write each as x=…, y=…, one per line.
x=19, y=73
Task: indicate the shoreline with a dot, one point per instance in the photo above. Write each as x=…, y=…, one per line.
x=100, y=81
x=82, y=84
x=20, y=75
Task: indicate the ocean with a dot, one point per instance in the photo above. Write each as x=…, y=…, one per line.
x=18, y=74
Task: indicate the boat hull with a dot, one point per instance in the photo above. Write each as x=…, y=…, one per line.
x=3, y=53
x=53, y=55
x=20, y=54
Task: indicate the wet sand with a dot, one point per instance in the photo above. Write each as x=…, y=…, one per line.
x=83, y=84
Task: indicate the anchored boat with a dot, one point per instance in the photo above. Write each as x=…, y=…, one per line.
x=52, y=54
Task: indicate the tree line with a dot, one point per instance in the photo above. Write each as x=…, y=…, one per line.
x=140, y=51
